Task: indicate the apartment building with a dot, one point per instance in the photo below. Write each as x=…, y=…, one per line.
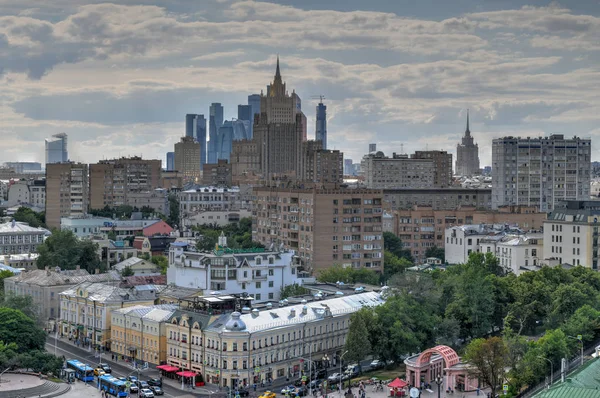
x=139, y=332
x=324, y=227
x=320, y=165
x=198, y=198
x=85, y=309
x=571, y=233
x=540, y=171
x=422, y=227
x=27, y=192
x=19, y=237
x=439, y=199
x=113, y=181
x=516, y=253
x=258, y=272
x=217, y=174
x=67, y=193
x=187, y=159
x=235, y=345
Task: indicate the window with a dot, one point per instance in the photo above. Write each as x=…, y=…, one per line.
x=271, y=272
x=271, y=296
x=257, y=296
x=258, y=285
x=271, y=284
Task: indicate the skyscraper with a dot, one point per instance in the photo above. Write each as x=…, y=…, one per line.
x=467, y=154
x=254, y=102
x=170, y=161
x=195, y=126
x=540, y=171
x=321, y=129
x=56, y=149
x=215, y=121
x=372, y=148
x=187, y=159
x=244, y=112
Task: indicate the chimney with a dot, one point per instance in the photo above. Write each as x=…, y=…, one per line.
x=292, y=312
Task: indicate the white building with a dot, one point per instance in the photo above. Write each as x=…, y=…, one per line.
x=199, y=199
x=139, y=266
x=516, y=253
x=540, y=171
x=260, y=273
x=571, y=233
x=218, y=217
x=83, y=227
x=19, y=238
x=462, y=240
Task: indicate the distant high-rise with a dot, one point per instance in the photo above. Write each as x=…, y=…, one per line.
x=348, y=168
x=195, y=126
x=187, y=159
x=170, y=161
x=372, y=148
x=321, y=129
x=215, y=123
x=56, y=149
x=540, y=171
x=467, y=154
x=254, y=103
x=66, y=191
x=244, y=112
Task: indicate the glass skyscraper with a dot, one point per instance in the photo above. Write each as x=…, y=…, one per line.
x=56, y=149
x=321, y=129
x=195, y=126
x=215, y=123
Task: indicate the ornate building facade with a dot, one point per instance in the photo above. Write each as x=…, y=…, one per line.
x=467, y=154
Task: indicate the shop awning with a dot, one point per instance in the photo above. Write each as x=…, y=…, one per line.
x=398, y=383
x=168, y=368
x=187, y=373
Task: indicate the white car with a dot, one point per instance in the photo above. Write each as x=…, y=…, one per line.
x=334, y=377
x=376, y=364
x=146, y=393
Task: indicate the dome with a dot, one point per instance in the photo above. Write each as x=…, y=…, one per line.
x=235, y=324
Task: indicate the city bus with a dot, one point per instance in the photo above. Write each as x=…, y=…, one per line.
x=82, y=371
x=113, y=386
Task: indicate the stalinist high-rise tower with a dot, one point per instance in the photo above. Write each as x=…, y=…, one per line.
x=467, y=154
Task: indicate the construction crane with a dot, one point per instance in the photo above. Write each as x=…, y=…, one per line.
x=320, y=97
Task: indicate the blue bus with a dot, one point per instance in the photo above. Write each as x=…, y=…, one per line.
x=113, y=386
x=82, y=371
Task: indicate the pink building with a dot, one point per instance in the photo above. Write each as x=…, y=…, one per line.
x=158, y=228
x=440, y=360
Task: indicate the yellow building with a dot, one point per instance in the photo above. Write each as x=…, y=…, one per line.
x=85, y=309
x=138, y=332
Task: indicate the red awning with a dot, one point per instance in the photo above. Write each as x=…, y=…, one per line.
x=168, y=368
x=187, y=373
x=398, y=383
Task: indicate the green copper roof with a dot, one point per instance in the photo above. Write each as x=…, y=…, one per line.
x=584, y=383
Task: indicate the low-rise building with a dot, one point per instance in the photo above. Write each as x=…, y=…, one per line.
x=19, y=237
x=27, y=191
x=85, y=309
x=258, y=272
x=232, y=348
x=173, y=294
x=27, y=261
x=139, y=332
x=197, y=199
x=45, y=285
x=139, y=266
x=516, y=253
x=462, y=240
x=215, y=217
x=153, y=246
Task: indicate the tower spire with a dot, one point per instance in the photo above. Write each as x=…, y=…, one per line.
x=467, y=131
x=277, y=73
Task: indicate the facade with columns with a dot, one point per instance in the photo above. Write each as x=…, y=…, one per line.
x=256, y=346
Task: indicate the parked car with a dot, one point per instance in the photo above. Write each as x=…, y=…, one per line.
x=105, y=367
x=377, y=364
x=353, y=370
x=155, y=382
x=288, y=390
x=146, y=393
x=142, y=385
x=133, y=388
x=157, y=390
x=334, y=377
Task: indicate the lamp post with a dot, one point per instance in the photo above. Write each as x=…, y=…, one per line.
x=580, y=339
x=341, y=357
x=551, y=368
x=439, y=380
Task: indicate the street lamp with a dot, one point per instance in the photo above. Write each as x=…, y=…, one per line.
x=551, y=368
x=341, y=357
x=580, y=339
x=439, y=380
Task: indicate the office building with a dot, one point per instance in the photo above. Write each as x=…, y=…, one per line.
x=467, y=154
x=423, y=169
x=278, y=133
x=195, y=126
x=438, y=199
x=24, y=167
x=259, y=345
x=18, y=238
x=119, y=182
x=170, y=161
x=254, y=103
x=323, y=226
x=217, y=175
x=571, y=233
x=540, y=171
x=139, y=332
x=244, y=112
x=321, y=166
x=258, y=272
x=215, y=123
x=56, y=149
x=348, y=169
x=321, y=128
x=67, y=192
x=187, y=159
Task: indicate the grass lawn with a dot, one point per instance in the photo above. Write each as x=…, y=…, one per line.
x=384, y=374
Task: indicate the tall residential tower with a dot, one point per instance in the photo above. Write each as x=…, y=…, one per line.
x=321, y=128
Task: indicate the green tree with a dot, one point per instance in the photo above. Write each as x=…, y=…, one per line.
x=173, y=219
x=436, y=252
x=26, y=215
x=64, y=250
x=393, y=265
x=25, y=304
x=357, y=341
x=292, y=290
x=489, y=359
x=127, y=271
x=3, y=275
x=162, y=262
x=17, y=328
x=393, y=244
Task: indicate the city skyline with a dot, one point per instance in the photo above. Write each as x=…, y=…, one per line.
x=396, y=76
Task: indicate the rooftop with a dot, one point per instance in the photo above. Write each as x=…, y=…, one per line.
x=583, y=383
x=156, y=313
x=48, y=278
x=104, y=292
x=21, y=227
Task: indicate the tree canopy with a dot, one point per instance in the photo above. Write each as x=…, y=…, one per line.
x=65, y=250
x=21, y=330
x=337, y=273
x=25, y=214
x=239, y=235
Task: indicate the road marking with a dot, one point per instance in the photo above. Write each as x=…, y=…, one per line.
x=74, y=355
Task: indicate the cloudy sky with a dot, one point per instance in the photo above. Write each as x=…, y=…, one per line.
x=119, y=77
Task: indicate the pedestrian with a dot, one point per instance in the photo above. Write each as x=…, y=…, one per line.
x=477, y=391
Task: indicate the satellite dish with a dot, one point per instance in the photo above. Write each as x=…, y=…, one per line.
x=414, y=392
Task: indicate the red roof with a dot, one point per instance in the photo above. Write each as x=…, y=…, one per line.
x=398, y=383
x=158, y=228
x=186, y=373
x=168, y=368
